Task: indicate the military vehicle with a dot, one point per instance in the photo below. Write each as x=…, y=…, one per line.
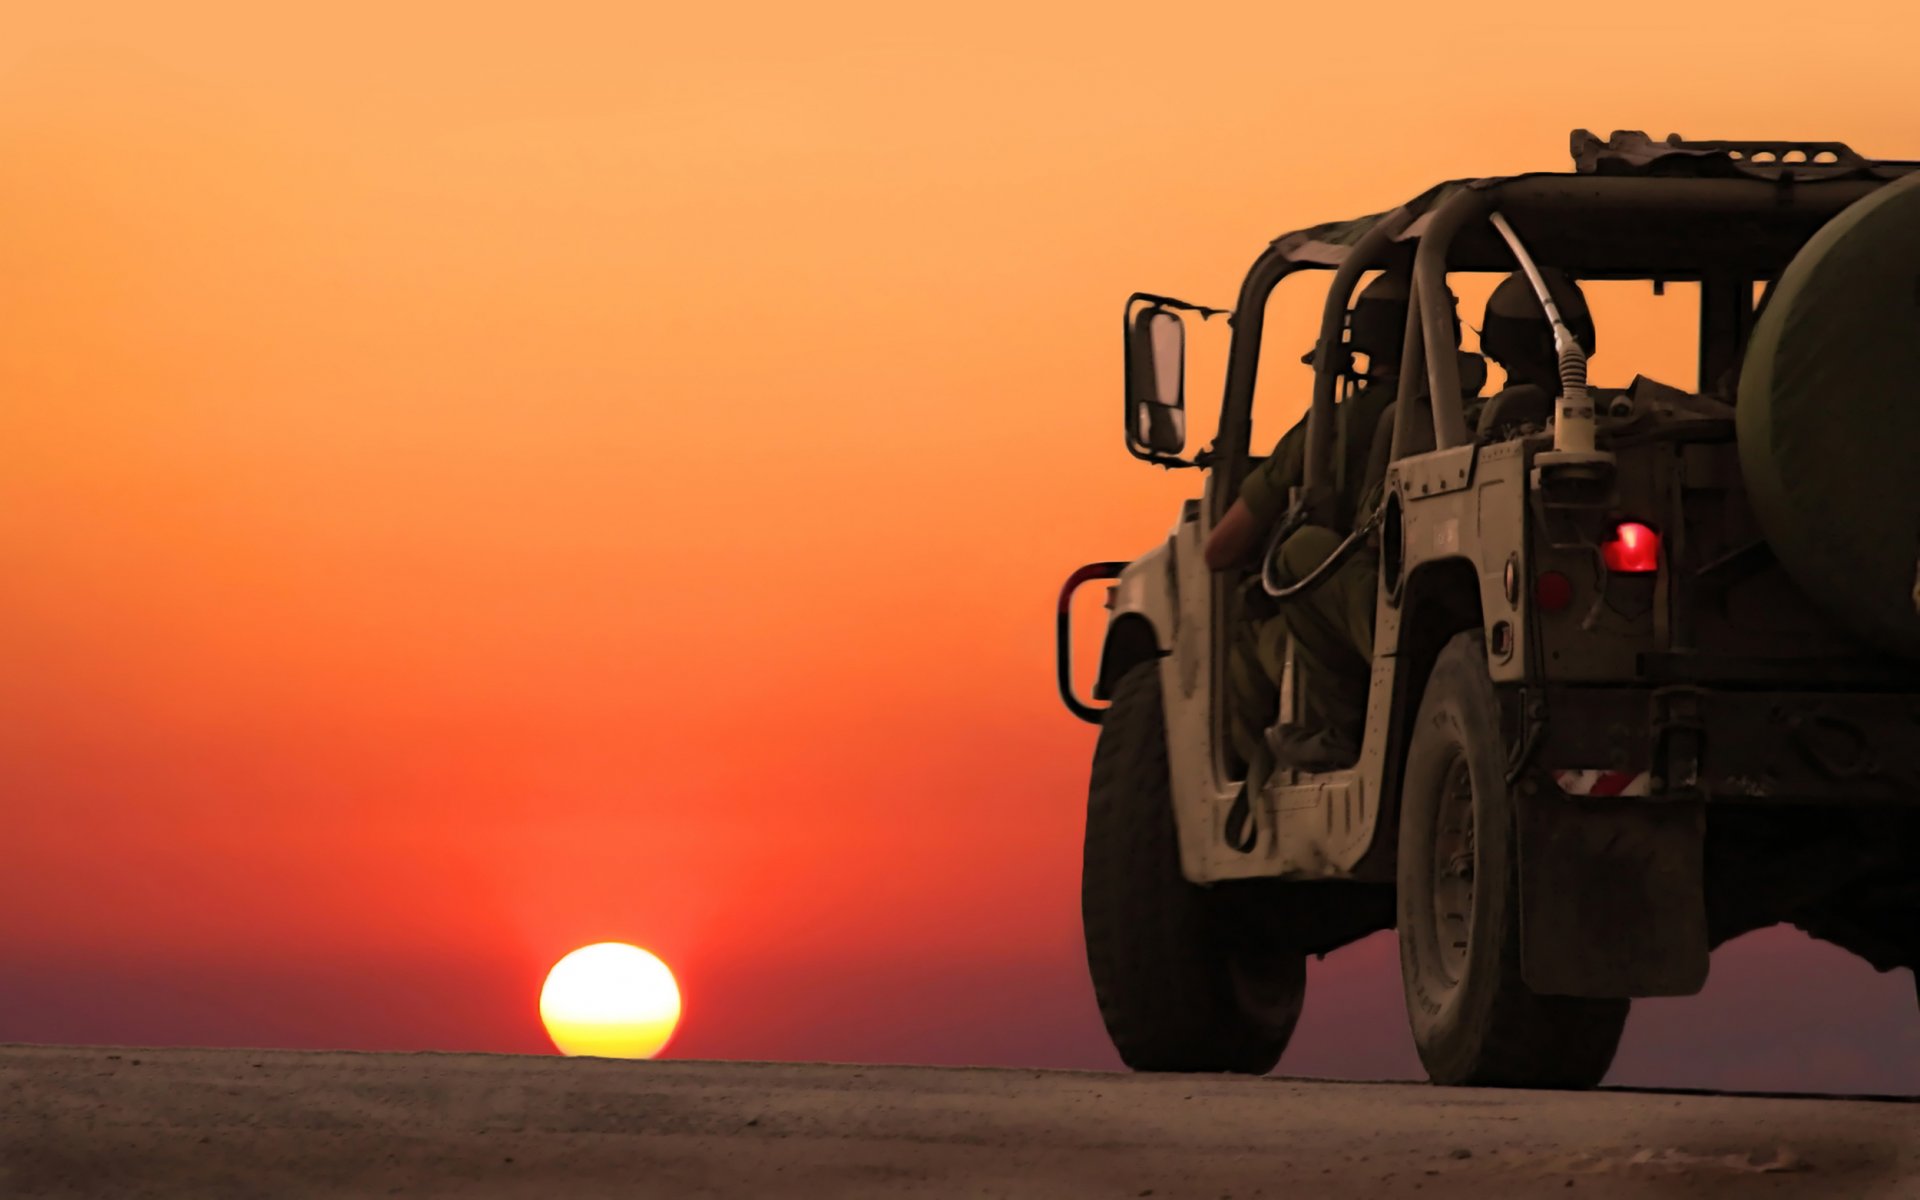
x=1646, y=668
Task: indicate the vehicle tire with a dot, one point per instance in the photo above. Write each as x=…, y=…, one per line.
x=1180, y=983
x=1474, y=1020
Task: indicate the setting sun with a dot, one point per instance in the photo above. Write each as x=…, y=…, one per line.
x=610, y=1000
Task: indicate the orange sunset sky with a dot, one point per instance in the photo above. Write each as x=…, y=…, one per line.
x=478, y=480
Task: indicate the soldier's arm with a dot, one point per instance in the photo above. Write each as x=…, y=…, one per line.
x=1263, y=498
x=1232, y=538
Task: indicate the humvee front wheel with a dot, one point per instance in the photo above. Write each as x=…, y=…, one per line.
x=1182, y=985
x=1474, y=1020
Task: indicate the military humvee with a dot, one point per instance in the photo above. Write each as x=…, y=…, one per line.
x=1646, y=671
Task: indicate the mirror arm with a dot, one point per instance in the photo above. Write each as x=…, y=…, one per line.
x=1173, y=462
x=1206, y=313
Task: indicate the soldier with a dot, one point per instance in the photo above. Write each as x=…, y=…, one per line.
x=1332, y=624
x=1375, y=329
x=1517, y=335
x=1335, y=618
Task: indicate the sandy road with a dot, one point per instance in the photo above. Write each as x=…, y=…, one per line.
x=210, y=1123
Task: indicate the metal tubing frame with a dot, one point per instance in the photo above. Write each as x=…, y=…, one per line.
x=1413, y=364
x=1431, y=318
x=1428, y=353
x=1243, y=364
x=1364, y=256
x=1565, y=195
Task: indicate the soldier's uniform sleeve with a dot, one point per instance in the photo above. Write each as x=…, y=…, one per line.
x=1359, y=417
x=1269, y=487
x=1470, y=409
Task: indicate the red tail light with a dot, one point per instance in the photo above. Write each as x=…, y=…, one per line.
x=1634, y=549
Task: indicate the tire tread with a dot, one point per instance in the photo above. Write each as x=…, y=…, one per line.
x=1159, y=965
x=1497, y=1031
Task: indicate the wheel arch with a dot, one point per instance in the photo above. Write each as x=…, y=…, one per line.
x=1131, y=640
x=1144, y=606
x=1439, y=600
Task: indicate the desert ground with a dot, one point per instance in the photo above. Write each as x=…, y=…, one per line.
x=212, y=1123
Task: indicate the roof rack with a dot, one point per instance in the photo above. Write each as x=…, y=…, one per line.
x=1631, y=151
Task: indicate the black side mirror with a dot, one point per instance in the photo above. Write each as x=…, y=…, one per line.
x=1156, y=383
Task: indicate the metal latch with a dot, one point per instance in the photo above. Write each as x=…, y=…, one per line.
x=1679, y=741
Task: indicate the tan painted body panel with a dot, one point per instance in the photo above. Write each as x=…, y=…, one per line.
x=1458, y=505
x=1201, y=792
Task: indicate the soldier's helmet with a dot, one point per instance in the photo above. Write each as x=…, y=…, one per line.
x=1516, y=328
x=1377, y=326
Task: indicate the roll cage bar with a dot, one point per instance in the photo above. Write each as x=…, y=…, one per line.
x=1533, y=204
x=1724, y=232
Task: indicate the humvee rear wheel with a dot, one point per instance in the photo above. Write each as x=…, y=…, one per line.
x=1183, y=985
x=1474, y=1020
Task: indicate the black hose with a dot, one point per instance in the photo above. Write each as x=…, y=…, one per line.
x=1320, y=574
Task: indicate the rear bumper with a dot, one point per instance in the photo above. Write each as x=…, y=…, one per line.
x=1694, y=743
